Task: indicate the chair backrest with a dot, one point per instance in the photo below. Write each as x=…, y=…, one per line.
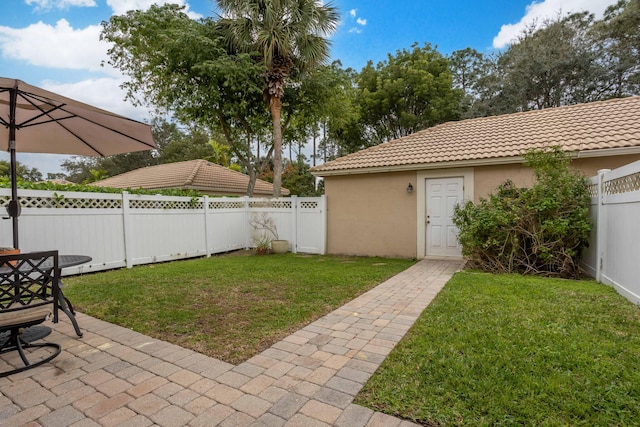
x=29, y=288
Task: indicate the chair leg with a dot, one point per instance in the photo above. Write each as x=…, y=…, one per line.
x=15, y=343
x=19, y=347
x=67, y=308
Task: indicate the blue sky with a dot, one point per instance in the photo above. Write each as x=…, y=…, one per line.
x=55, y=43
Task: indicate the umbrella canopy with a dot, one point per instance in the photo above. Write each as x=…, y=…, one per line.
x=34, y=120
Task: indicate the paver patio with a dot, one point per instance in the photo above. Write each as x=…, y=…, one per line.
x=117, y=377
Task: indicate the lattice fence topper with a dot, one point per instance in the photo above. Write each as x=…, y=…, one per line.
x=166, y=204
x=624, y=184
x=233, y=204
x=593, y=190
x=276, y=204
x=64, y=202
x=309, y=205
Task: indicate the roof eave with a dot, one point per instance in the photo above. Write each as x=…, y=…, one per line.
x=603, y=152
x=419, y=166
x=229, y=190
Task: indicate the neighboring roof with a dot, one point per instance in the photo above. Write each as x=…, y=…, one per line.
x=592, y=129
x=59, y=181
x=199, y=175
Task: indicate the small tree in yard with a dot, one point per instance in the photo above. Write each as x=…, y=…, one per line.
x=539, y=230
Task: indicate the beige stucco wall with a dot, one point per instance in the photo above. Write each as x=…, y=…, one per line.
x=487, y=178
x=371, y=215
x=591, y=166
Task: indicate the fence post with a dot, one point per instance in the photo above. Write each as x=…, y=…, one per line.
x=601, y=221
x=126, y=227
x=323, y=222
x=294, y=224
x=207, y=226
x=247, y=232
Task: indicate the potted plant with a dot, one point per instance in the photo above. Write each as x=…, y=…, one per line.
x=279, y=246
x=262, y=243
x=265, y=234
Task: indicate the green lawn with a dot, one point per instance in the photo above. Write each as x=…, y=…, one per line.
x=513, y=351
x=230, y=307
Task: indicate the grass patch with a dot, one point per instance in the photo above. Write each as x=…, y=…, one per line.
x=228, y=307
x=513, y=350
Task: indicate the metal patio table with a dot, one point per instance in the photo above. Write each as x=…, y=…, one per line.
x=65, y=261
x=65, y=305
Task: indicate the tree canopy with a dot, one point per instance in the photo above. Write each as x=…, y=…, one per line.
x=23, y=172
x=566, y=60
x=288, y=36
x=189, y=69
x=406, y=93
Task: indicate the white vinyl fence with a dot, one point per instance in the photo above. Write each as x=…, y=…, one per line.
x=122, y=230
x=613, y=256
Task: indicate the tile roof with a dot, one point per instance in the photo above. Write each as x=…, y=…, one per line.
x=58, y=181
x=199, y=175
x=586, y=128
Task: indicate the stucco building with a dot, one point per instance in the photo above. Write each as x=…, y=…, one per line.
x=396, y=199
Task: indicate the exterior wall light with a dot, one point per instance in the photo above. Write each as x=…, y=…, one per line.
x=409, y=188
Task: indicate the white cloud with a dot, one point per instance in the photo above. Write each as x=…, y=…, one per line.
x=59, y=46
x=120, y=7
x=103, y=93
x=353, y=13
x=60, y=4
x=537, y=12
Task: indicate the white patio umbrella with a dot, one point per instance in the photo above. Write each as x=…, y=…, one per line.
x=34, y=120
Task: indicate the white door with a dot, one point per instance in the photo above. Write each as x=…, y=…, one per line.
x=443, y=194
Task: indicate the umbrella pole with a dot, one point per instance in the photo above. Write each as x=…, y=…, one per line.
x=14, y=208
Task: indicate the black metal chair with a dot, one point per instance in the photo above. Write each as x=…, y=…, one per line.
x=29, y=295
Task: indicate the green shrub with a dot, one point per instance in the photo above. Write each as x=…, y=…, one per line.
x=5, y=182
x=539, y=230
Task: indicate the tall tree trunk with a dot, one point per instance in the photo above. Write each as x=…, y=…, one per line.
x=314, y=147
x=252, y=181
x=324, y=138
x=251, y=186
x=299, y=153
x=275, y=105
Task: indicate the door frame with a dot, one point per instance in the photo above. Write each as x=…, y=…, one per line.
x=467, y=175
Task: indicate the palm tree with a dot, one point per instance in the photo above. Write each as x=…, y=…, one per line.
x=289, y=36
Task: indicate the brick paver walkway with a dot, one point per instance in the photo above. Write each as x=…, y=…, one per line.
x=116, y=377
